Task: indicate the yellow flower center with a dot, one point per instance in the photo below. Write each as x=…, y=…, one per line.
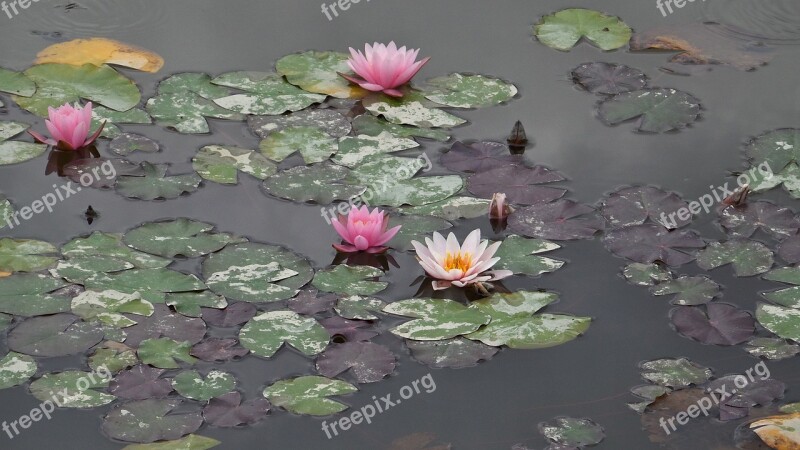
x=458, y=261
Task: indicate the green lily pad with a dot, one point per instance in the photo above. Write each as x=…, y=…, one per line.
x=114, y=357
x=27, y=295
x=5, y=321
x=568, y=431
x=789, y=177
x=190, y=303
x=658, y=110
x=318, y=72
x=778, y=148
x=373, y=126
x=313, y=144
x=198, y=83
x=675, y=373
x=452, y=208
x=790, y=408
x=56, y=335
x=350, y=280
x=330, y=121
x=238, y=272
x=151, y=420
x=222, y=164
x=265, y=94
x=564, y=29
x=190, y=442
x=308, y=395
x=165, y=353
x=515, y=255
x=6, y=212
x=414, y=228
x=319, y=183
x=460, y=90
x=15, y=369
x=73, y=389
x=64, y=83
x=358, y=307
x=267, y=332
x=182, y=236
x=789, y=297
x=192, y=385
x=13, y=152
x=772, y=348
x=186, y=112
x=411, y=109
x=353, y=150
x=25, y=255
x=646, y=274
x=515, y=324
x=747, y=257
x=156, y=184
x=689, y=291
x=78, y=269
x=785, y=322
x=102, y=114
x=435, y=319
x=100, y=244
x=108, y=307
x=16, y=83
x=152, y=284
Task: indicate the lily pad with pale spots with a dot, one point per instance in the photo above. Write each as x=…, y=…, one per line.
x=56, y=335
x=560, y=220
x=187, y=112
x=453, y=208
x=126, y=143
x=518, y=254
x=461, y=90
x=455, y=353
x=778, y=148
x=165, y=353
x=635, y=205
x=319, y=183
x=785, y=322
x=743, y=220
x=689, y=291
x=331, y=122
x=564, y=29
x=318, y=72
x=155, y=184
x=354, y=150
x=198, y=83
x=114, y=356
x=101, y=114
x=657, y=110
x=221, y=164
x=266, y=333
x=411, y=109
x=572, y=432
x=309, y=395
x=16, y=83
x=675, y=373
x=229, y=410
x=607, y=78
x=100, y=244
x=25, y=255
x=152, y=284
x=414, y=228
x=186, y=237
x=151, y=420
x=264, y=94
x=32, y=295
x=772, y=348
x=747, y=257
x=313, y=144
x=721, y=324
x=193, y=385
x=435, y=319
x=190, y=442
x=108, y=307
x=649, y=243
x=349, y=280
x=359, y=307
x=368, y=362
x=191, y=303
x=646, y=274
x=15, y=369
x=13, y=152
x=73, y=389
x=373, y=126
x=789, y=297
x=79, y=268
x=6, y=212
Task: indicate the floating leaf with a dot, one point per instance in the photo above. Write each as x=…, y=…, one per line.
x=560, y=220
x=634, y=205
x=351, y=280
x=313, y=144
x=564, y=29
x=214, y=350
x=101, y=114
x=455, y=353
x=789, y=297
x=331, y=122
x=25, y=255
x=778, y=148
x=107, y=307
x=703, y=43
x=358, y=307
x=63, y=83
x=308, y=395
x=308, y=302
x=435, y=319
x=350, y=330
x=515, y=255
x=29, y=295
x=266, y=333
x=747, y=257
x=411, y=109
x=114, y=356
x=190, y=442
x=127, y=143
x=99, y=51
x=572, y=432
x=191, y=303
x=675, y=373
x=743, y=220
x=235, y=314
x=100, y=244
x=150, y=420
x=15, y=369
x=165, y=323
x=56, y=335
x=155, y=184
x=772, y=348
x=6, y=211
x=238, y=272
x=354, y=150
x=761, y=391
x=72, y=389
x=165, y=353
x=367, y=361
x=16, y=83
x=785, y=322
x=649, y=243
x=373, y=126
x=485, y=156
x=789, y=249
x=607, y=78
x=520, y=184
x=650, y=393
x=779, y=432
x=222, y=164
x=469, y=91
x=192, y=385
x=688, y=290
x=152, y=284
x=318, y=72
x=319, y=183
x=646, y=274
x=452, y=208
x=721, y=324
x=198, y=83
x=13, y=152
x=265, y=94
x=414, y=228
x=182, y=236
x=789, y=178
x=658, y=110
x=186, y=112
x=229, y=411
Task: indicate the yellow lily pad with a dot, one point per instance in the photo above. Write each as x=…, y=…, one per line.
x=779, y=432
x=99, y=51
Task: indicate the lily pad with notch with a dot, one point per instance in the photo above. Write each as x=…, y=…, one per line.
x=560, y=220
x=151, y=420
x=564, y=29
x=747, y=257
x=264, y=94
x=658, y=110
x=435, y=319
x=222, y=164
x=319, y=183
x=720, y=324
x=13, y=152
x=462, y=90
x=368, y=362
x=608, y=78
x=689, y=291
x=635, y=205
x=182, y=236
x=522, y=185
x=155, y=184
x=309, y=395
x=649, y=243
x=267, y=332
x=350, y=280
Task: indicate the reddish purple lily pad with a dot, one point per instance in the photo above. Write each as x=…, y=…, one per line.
x=351, y=330
x=235, y=314
x=368, y=362
x=560, y=220
x=453, y=353
x=140, y=383
x=218, y=350
x=650, y=243
x=608, y=78
x=309, y=302
x=520, y=184
x=721, y=324
x=634, y=205
x=789, y=249
x=165, y=323
x=229, y=411
x=743, y=220
x=479, y=157
x=56, y=335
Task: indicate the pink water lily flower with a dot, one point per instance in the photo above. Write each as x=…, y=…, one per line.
x=363, y=230
x=460, y=265
x=69, y=127
x=498, y=208
x=383, y=68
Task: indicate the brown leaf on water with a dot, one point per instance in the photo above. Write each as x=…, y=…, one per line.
x=701, y=43
x=99, y=51
x=666, y=407
x=779, y=432
x=5, y=274
x=417, y=441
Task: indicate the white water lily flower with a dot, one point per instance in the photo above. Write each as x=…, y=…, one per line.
x=460, y=265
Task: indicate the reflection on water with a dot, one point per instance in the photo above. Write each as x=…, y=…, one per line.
x=96, y=18
x=773, y=21
x=57, y=159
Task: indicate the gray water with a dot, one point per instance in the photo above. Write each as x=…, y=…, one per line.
x=500, y=402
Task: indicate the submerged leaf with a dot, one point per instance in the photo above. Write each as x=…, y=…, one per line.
x=453, y=353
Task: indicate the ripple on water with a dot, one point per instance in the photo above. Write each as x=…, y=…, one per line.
x=772, y=21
